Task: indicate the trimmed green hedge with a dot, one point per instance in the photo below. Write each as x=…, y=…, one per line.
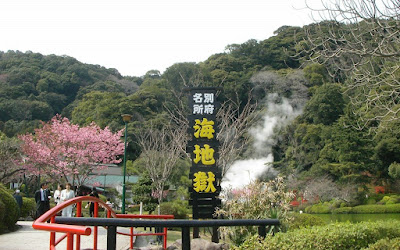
x=369, y=209
x=304, y=220
x=333, y=236
x=28, y=207
x=385, y=244
x=343, y=210
x=11, y=210
x=178, y=208
x=2, y=214
x=321, y=208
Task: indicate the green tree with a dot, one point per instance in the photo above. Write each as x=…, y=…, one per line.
x=394, y=170
x=101, y=107
x=326, y=105
x=142, y=192
x=316, y=74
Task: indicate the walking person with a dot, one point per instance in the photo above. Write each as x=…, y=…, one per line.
x=57, y=194
x=18, y=199
x=91, y=208
x=67, y=194
x=42, y=199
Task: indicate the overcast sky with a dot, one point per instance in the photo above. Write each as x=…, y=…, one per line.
x=135, y=36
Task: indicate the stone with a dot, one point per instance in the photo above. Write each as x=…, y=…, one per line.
x=199, y=244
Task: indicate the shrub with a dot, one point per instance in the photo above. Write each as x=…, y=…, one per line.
x=376, y=209
x=2, y=213
x=28, y=207
x=332, y=236
x=11, y=211
x=178, y=208
x=370, y=201
x=304, y=220
x=343, y=210
x=133, y=208
x=258, y=200
x=369, y=209
x=320, y=208
x=385, y=199
x=392, y=199
x=375, y=196
x=385, y=244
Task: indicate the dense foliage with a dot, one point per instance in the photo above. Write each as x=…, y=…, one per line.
x=9, y=211
x=34, y=87
x=258, y=200
x=302, y=220
x=28, y=207
x=385, y=244
x=333, y=236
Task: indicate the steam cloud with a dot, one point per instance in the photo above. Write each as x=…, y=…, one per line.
x=278, y=114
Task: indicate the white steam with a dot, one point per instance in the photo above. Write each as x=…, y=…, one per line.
x=279, y=113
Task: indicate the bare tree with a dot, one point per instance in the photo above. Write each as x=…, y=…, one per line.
x=360, y=39
x=324, y=189
x=160, y=151
x=234, y=121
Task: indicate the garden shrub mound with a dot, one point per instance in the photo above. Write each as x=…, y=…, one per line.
x=304, y=220
x=9, y=210
x=28, y=207
x=321, y=208
x=369, y=209
x=332, y=236
x=385, y=244
x=177, y=208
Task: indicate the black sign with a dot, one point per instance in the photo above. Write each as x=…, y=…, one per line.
x=203, y=148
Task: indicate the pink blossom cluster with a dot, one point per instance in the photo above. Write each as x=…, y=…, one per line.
x=63, y=148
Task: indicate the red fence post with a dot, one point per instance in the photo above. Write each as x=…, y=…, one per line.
x=70, y=241
x=78, y=214
x=95, y=215
x=131, y=241
x=52, y=235
x=165, y=238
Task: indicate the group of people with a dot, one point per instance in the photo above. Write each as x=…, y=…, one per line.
x=61, y=195
x=43, y=197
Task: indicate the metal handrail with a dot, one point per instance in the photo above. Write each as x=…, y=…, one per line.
x=185, y=225
x=70, y=230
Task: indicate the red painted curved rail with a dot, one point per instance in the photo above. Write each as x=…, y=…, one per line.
x=47, y=222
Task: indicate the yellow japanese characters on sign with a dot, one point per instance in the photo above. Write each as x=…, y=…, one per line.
x=204, y=128
x=206, y=155
x=204, y=182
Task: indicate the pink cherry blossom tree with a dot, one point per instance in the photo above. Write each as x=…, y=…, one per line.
x=61, y=149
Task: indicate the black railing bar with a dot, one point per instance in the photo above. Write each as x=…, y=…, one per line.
x=185, y=225
x=111, y=237
x=163, y=223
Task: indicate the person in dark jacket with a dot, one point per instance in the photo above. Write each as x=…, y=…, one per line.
x=18, y=198
x=42, y=198
x=91, y=208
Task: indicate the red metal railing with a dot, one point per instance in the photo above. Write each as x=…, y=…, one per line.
x=47, y=222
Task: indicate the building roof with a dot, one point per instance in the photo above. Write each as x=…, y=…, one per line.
x=112, y=180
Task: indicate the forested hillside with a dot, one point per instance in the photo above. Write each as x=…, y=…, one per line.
x=326, y=141
x=34, y=87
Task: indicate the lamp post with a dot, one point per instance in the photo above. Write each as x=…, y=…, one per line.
x=126, y=118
